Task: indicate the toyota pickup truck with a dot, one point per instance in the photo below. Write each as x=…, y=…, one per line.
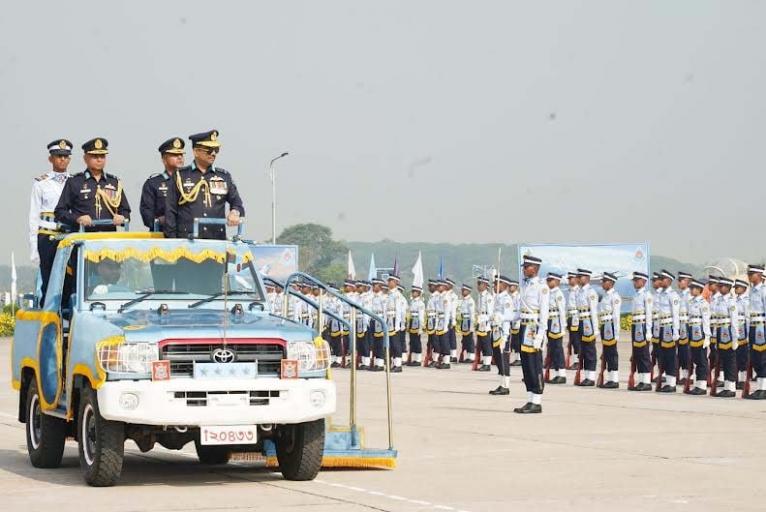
x=166, y=341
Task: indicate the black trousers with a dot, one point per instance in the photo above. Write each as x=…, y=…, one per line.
x=574, y=337
x=395, y=341
x=556, y=353
x=588, y=355
x=452, y=338
x=378, y=350
x=611, y=358
x=516, y=341
x=699, y=358
x=416, y=346
x=727, y=361
x=642, y=359
x=683, y=354
x=743, y=357
x=502, y=358
x=466, y=343
x=46, y=248
x=443, y=342
x=363, y=344
x=485, y=343
x=531, y=366
x=668, y=356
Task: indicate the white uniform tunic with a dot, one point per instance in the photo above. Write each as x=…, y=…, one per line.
x=46, y=191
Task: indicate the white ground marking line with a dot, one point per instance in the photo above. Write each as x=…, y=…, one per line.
x=394, y=497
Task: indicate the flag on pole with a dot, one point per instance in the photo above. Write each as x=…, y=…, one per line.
x=351, y=273
x=417, y=272
x=441, y=268
x=14, y=291
x=373, y=273
x=396, y=266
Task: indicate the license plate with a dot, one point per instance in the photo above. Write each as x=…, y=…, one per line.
x=237, y=434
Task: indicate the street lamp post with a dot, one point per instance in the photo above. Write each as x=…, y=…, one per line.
x=272, y=174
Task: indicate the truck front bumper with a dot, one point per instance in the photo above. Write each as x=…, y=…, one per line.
x=199, y=402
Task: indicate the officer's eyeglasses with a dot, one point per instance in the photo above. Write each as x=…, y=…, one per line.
x=209, y=151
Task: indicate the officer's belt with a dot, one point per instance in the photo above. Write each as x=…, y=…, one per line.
x=606, y=317
x=639, y=318
x=695, y=321
x=684, y=318
x=530, y=316
x=572, y=312
x=553, y=310
x=47, y=224
x=757, y=316
x=666, y=321
x=724, y=322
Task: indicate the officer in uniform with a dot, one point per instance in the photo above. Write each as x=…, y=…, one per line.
x=515, y=343
x=93, y=194
x=609, y=308
x=379, y=300
x=395, y=312
x=503, y=316
x=451, y=331
x=725, y=310
x=444, y=308
x=155, y=190
x=485, y=308
x=641, y=332
x=433, y=296
x=669, y=305
x=416, y=317
x=684, y=294
x=699, y=337
x=533, y=315
x=657, y=289
x=742, y=302
x=402, y=326
x=757, y=331
x=201, y=190
x=557, y=321
x=587, y=308
x=715, y=321
x=466, y=315
x=46, y=191
x=573, y=320
x=363, y=322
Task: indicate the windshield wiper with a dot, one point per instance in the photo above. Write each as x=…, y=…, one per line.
x=146, y=295
x=217, y=296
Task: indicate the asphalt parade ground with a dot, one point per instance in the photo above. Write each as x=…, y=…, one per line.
x=460, y=449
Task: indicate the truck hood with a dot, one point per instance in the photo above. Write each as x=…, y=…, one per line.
x=143, y=325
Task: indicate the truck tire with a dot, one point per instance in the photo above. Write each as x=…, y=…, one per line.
x=212, y=455
x=101, y=443
x=299, y=449
x=46, y=435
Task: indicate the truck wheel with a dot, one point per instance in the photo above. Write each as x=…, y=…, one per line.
x=299, y=449
x=46, y=434
x=212, y=454
x=102, y=443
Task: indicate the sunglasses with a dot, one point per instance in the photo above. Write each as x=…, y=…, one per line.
x=209, y=151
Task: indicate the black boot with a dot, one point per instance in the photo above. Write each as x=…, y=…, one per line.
x=529, y=408
x=500, y=390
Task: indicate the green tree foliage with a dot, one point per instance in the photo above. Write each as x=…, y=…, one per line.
x=317, y=249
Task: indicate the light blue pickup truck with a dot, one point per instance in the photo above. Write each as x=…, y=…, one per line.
x=166, y=341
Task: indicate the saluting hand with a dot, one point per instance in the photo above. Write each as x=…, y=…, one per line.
x=84, y=220
x=233, y=218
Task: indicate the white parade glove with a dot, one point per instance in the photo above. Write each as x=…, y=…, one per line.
x=676, y=337
x=538, y=341
x=706, y=342
x=734, y=345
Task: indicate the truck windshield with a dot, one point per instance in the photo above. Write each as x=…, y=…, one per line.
x=183, y=279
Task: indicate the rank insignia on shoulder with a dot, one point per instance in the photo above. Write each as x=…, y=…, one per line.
x=42, y=177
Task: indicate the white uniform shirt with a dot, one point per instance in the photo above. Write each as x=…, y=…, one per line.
x=485, y=308
x=609, y=311
x=46, y=191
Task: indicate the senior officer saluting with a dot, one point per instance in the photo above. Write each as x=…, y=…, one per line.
x=202, y=190
x=46, y=191
x=93, y=194
x=155, y=188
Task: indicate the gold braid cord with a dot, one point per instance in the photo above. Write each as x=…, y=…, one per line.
x=191, y=196
x=111, y=203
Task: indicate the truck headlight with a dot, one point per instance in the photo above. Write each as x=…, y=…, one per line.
x=311, y=355
x=128, y=358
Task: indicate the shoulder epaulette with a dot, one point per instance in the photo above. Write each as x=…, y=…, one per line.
x=42, y=177
x=155, y=175
x=221, y=170
x=81, y=173
x=108, y=175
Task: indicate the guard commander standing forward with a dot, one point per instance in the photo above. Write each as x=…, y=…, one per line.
x=155, y=190
x=46, y=191
x=201, y=191
x=93, y=194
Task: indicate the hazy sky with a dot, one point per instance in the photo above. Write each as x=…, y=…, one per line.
x=439, y=121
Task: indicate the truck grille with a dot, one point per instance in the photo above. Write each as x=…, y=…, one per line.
x=182, y=356
x=202, y=398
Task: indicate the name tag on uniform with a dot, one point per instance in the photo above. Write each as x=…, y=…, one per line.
x=85, y=190
x=163, y=189
x=218, y=185
x=188, y=183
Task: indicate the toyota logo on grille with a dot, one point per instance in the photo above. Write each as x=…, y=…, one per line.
x=223, y=355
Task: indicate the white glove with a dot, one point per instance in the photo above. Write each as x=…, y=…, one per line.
x=734, y=345
x=538, y=341
x=676, y=336
x=483, y=318
x=706, y=343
